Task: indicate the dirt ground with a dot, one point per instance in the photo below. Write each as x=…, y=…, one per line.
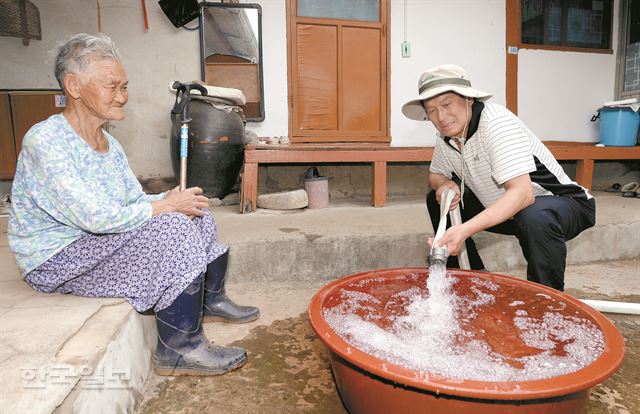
x=289, y=372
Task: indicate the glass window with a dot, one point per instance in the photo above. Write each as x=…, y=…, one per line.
x=628, y=79
x=567, y=23
x=364, y=10
x=632, y=58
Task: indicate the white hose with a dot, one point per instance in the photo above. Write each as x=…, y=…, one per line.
x=463, y=257
x=614, y=307
x=445, y=203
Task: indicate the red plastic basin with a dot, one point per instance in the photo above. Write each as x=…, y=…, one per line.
x=369, y=385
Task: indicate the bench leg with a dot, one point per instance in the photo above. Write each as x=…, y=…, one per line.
x=249, y=189
x=379, y=184
x=584, y=173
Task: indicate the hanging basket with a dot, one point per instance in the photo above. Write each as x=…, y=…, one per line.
x=20, y=18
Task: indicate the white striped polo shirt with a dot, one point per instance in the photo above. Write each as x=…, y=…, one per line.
x=503, y=148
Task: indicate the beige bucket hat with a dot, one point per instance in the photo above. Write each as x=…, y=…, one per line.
x=438, y=80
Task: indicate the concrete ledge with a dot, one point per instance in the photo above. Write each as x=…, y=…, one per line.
x=81, y=355
x=64, y=353
x=117, y=380
x=347, y=238
x=598, y=244
x=324, y=258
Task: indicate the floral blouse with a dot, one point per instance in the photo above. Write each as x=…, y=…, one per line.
x=64, y=189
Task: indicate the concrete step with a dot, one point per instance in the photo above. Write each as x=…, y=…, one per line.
x=68, y=354
x=271, y=245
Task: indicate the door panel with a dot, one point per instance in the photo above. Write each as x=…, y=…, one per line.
x=317, y=92
x=361, y=75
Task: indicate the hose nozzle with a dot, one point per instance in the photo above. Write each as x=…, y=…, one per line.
x=438, y=255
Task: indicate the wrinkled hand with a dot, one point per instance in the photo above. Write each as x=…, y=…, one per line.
x=189, y=201
x=453, y=239
x=452, y=185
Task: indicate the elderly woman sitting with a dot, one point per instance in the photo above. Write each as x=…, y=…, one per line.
x=80, y=222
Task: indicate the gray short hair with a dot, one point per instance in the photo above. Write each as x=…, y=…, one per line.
x=75, y=53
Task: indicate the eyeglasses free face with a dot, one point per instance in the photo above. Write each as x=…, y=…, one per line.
x=449, y=113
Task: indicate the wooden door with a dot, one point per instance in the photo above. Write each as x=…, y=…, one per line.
x=28, y=108
x=19, y=111
x=7, y=146
x=338, y=73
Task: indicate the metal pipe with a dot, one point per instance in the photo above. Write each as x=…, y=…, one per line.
x=184, y=145
x=181, y=109
x=438, y=255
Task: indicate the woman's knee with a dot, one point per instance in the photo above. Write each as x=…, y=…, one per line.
x=206, y=220
x=173, y=230
x=207, y=226
x=170, y=220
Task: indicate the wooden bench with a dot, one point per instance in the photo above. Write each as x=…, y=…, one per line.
x=375, y=153
x=585, y=153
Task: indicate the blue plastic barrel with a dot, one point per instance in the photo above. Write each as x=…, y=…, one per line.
x=619, y=126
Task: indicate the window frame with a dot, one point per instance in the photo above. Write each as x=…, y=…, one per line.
x=565, y=48
x=623, y=35
x=333, y=136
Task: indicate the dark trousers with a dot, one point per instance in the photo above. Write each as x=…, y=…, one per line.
x=542, y=229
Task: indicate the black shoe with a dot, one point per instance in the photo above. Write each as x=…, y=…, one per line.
x=182, y=347
x=217, y=306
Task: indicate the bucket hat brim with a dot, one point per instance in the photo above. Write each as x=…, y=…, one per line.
x=414, y=109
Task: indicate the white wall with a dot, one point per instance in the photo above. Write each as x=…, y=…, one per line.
x=32, y=66
x=274, y=56
x=558, y=91
x=152, y=59
x=469, y=33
